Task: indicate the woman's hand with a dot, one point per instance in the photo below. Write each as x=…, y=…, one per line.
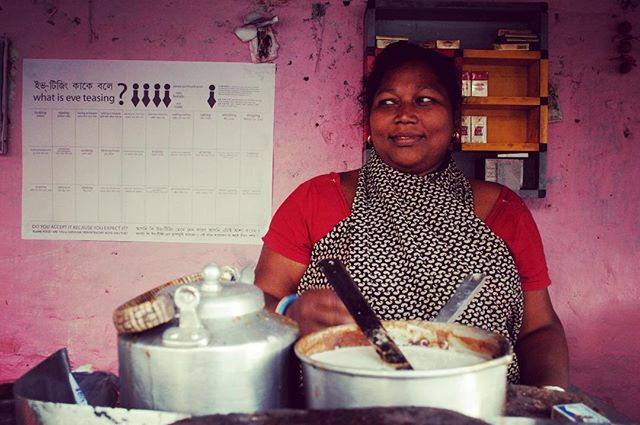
x=279, y=276
x=318, y=309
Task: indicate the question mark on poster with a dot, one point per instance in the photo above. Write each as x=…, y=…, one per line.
x=124, y=89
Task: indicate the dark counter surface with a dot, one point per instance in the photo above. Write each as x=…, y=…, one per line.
x=522, y=401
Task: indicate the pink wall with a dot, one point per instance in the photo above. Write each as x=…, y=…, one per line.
x=58, y=293
x=590, y=220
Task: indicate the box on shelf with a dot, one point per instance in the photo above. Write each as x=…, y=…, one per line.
x=516, y=39
x=511, y=46
x=383, y=41
x=447, y=44
x=479, y=83
x=478, y=129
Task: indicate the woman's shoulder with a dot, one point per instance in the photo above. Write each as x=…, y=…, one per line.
x=331, y=184
x=319, y=185
x=321, y=180
x=485, y=197
x=491, y=199
x=324, y=190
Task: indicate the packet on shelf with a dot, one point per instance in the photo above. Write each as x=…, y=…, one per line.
x=465, y=129
x=466, y=83
x=479, y=83
x=478, y=129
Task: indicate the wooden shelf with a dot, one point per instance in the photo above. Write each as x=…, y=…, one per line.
x=502, y=101
x=521, y=146
x=503, y=55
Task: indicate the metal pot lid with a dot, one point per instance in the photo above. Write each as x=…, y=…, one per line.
x=226, y=299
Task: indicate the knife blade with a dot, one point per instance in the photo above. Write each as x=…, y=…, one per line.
x=466, y=291
x=365, y=317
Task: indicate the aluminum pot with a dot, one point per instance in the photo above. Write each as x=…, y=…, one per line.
x=225, y=354
x=477, y=390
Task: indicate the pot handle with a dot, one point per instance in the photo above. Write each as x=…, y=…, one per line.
x=190, y=332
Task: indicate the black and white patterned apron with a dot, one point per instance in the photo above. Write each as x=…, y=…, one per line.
x=408, y=243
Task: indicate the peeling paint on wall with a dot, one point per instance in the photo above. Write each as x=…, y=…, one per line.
x=318, y=12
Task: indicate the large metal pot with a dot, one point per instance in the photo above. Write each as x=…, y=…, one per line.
x=226, y=354
x=478, y=390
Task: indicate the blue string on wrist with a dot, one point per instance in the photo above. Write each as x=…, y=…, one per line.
x=285, y=302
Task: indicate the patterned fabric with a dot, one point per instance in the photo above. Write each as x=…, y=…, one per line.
x=410, y=241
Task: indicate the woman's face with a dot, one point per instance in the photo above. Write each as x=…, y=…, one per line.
x=411, y=120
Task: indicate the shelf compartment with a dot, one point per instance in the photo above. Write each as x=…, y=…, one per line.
x=508, y=129
x=507, y=80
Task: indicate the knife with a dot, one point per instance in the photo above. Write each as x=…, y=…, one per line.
x=365, y=317
x=461, y=298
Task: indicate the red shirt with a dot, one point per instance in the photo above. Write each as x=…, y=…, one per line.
x=317, y=205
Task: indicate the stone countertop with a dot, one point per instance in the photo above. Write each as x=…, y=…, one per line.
x=525, y=406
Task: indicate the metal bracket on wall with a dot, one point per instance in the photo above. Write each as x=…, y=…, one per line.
x=4, y=94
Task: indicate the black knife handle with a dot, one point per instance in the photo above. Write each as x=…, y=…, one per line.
x=362, y=313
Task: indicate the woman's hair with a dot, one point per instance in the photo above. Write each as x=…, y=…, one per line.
x=398, y=54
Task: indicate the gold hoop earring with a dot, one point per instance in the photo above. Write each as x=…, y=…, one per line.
x=455, y=137
x=369, y=142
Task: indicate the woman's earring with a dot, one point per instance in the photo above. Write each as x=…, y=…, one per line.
x=369, y=142
x=455, y=141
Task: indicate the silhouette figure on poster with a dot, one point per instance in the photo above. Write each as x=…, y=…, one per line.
x=156, y=94
x=145, y=95
x=166, y=99
x=212, y=96
x=135, y=99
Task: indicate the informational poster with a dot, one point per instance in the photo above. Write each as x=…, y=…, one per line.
x=147, y=150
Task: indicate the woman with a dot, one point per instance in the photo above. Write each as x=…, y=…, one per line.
x=409, y=227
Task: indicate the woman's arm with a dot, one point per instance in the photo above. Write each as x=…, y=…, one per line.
x=541, y=347
x=278, y=276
